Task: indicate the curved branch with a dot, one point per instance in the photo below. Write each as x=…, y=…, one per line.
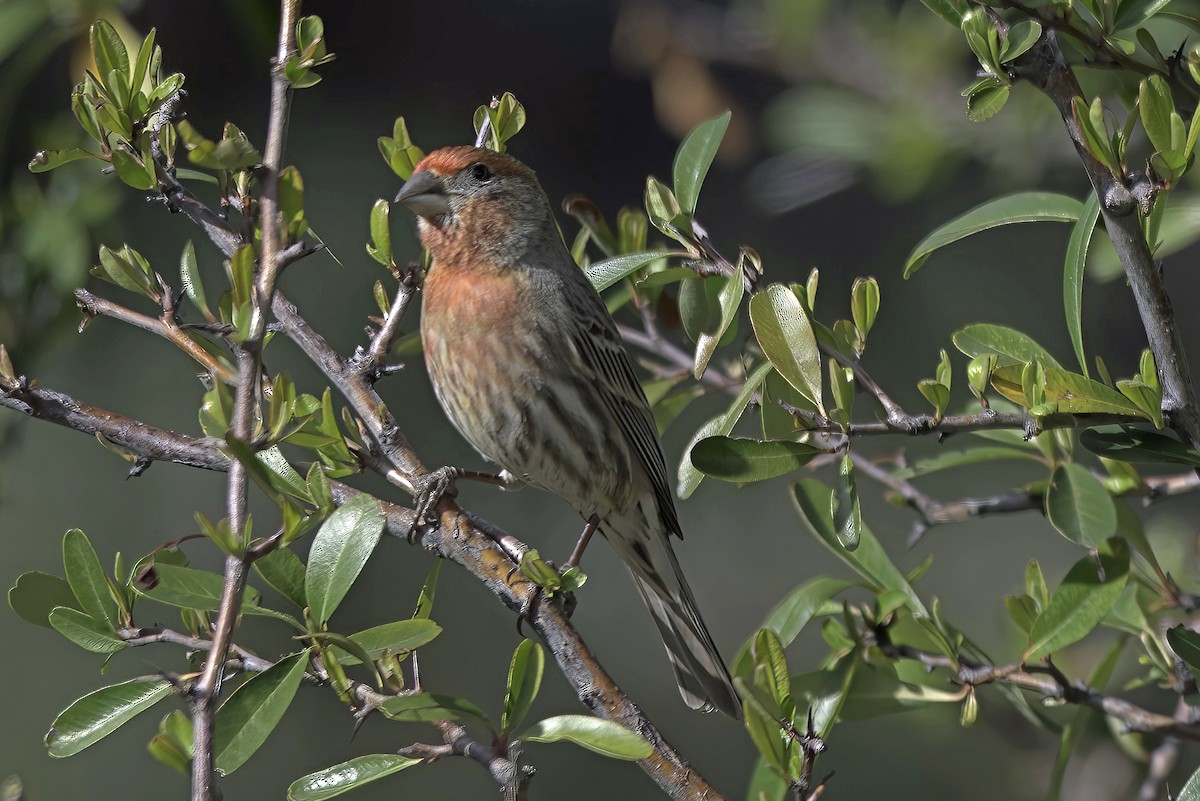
x=459, y=537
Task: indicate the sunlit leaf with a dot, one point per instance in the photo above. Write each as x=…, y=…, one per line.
x=595, y=734
x=100, y=713
x=339, y=551
x=694, y=157
x=524, y=681
x=254, y=710
x=334, y=781
x=1019, y=207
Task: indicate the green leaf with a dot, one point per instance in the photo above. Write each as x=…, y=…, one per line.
x=1129, y=444
x=688, y=476
x=1078, y=395
x=284, y=571
x=1132, y=13
x=951, y=11
x=380, y=248
x=1079, y=507
x=1019, y=207
x=253, y=711
x=85, y=631
x=1081, y=601
x=662, y=208
x=111, y=56
x=824, y=693
x=1020, y=37
x=428, y=706
x=786, y=336
x=100, y=713
x=87, y=578
x=1191, y=788
x=985, y=98
x=346, y=776
x=397, y=638
x=1147, y=399
x=35, y=594
x=844, y=506
x=1035, y=584
x=745, y=460
x=524, y=681
x=46, y=160
x=1008, y=345
x=864, y=304
x=291, y=202
x=694, y=157
x=799, y=606
x=1186, y=644
x=937, y=394
x=1022, y=610
x=189, y=273
x=189, y=588
x=595, y=734
x=131, y=171
x=869, y=560
x=729, y=299
x=428, y=592
x=127, y=269
x=1077, y=248
x=172, y=745
x=1156, y=106
x=141, y=69
x=339, y=552
x=270, y=471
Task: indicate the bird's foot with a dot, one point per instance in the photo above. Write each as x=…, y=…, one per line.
x=435, y=486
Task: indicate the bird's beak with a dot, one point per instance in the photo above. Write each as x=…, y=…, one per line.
x=425, y=194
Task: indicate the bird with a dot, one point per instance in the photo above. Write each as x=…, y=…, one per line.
x=529, y=367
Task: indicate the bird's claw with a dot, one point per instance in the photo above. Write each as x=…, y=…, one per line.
x=435, y=486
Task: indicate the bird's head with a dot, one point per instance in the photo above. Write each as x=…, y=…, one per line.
x=469, y=199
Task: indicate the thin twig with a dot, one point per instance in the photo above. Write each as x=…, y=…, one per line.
x=935, y=512
x=205, y=690
x=676, y=356
x=370, y=361
x=1047, y=681
x=95, y=306
x=370, y=408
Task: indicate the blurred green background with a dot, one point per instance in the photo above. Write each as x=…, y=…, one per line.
x=848, y=143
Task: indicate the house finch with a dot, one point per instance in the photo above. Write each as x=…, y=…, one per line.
x=529, y=367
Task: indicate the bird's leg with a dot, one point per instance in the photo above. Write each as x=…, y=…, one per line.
x=593, y=523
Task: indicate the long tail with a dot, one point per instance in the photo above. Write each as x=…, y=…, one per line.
x=703, y=678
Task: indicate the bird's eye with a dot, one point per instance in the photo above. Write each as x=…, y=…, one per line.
x=481, y=173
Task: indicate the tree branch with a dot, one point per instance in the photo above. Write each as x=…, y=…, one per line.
x=460, y=537
x=1045, y=67
x=1048, y=682
x=370, y=361
x=205, y=689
